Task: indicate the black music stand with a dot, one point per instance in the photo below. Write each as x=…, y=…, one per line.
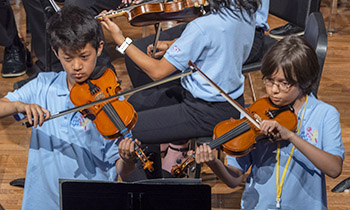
x=168, y=194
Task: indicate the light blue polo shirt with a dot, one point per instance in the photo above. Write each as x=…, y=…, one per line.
x=262, y=15
x=68, y=147
x=218, y=44
x=304, y=185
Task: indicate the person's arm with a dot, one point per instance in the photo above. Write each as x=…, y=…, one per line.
x=329, y=164
x=161, y=48
x=125, y=164
x=230, y=175
x=36, y=115
x=156, y=69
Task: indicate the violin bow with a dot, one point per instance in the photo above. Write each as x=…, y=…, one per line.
x=225, y=95
x=110, y=98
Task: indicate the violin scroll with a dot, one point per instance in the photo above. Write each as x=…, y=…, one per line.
x=179, y=171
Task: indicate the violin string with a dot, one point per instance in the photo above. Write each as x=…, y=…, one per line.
x=228, y=135
x=113, y=115
x=118, y=122
x=241, y=128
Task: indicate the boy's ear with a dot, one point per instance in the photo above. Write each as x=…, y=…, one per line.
x=54, y=51
x=100, y=48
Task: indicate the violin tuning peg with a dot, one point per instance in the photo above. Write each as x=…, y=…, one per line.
x=178, y=161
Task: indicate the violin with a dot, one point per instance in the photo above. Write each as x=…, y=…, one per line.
x=113, y=97
x=105, y=96
x=112, y=119
x=153, y=12
x=238, y=137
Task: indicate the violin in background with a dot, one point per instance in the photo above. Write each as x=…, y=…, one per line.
x=153, y=12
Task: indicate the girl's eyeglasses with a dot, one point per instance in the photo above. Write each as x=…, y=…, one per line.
x=283, y=86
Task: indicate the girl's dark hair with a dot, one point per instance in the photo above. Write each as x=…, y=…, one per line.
x=296, y=58
x=72, y=28
x=250, y=6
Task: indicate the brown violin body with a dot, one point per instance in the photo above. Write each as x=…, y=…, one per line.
x=113, y=118
x=260, y=110
x=238, y=137
x=102, y=114
x=155, y=12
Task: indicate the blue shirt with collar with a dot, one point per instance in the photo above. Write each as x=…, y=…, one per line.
x=68, y=147
x=262, y=14
x=304, y=186
x=218, y=44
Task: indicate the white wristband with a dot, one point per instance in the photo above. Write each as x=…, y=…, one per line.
x=123, y=47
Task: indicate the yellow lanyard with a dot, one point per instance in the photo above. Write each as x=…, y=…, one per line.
x=279, y=184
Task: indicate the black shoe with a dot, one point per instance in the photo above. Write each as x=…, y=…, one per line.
x=18, y=182
x=342, y=186
x=286, y=30
x=20, y=83
x=37, y=68
x=14, y=64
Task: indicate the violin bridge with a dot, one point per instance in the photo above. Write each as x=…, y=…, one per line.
x=257, y=118
x=99, y=96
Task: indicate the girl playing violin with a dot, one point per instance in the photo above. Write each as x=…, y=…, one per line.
x=179, y=112
x=69, y=147
x=289, y=171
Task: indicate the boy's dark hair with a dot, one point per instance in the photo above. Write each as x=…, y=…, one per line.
x=296, y=58
x=72, y=28
x=250, y=6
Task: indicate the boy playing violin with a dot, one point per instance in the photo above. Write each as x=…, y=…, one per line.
x=289, y=171
x=69, y=147
x=179, y=112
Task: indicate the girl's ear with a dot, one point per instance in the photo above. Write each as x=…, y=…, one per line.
x=100, y=48
x=306, y=85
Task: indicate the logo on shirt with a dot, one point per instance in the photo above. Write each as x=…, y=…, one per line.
x=310, y=135
x=80, y=121
x=176, y=49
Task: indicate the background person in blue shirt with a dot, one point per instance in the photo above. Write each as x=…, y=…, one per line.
x=191, y=109
x=315, y=149
x=69, y=147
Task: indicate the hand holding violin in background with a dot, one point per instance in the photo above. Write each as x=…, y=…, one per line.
x=112, y=27
x=131, y=2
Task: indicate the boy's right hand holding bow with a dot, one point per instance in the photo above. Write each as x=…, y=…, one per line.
x=35, y=114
